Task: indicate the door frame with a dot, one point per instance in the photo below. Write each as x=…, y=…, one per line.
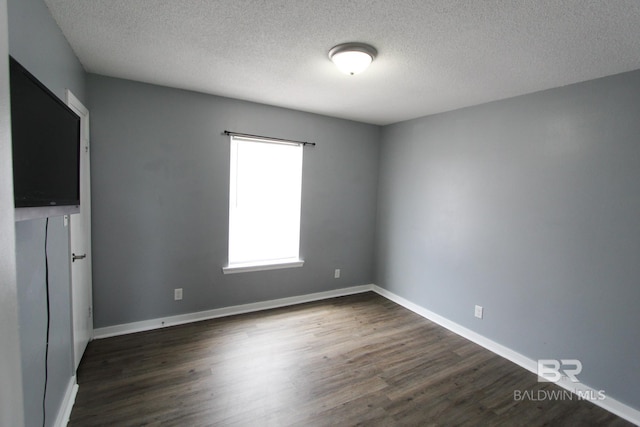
x=85, y=207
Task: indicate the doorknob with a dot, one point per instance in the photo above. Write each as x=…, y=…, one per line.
x=74, y=257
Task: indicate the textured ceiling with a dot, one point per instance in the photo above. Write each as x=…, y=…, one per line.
x=433, y=56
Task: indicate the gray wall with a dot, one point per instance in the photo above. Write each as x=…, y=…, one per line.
x=38, y=44
x=160, y=183
x=529, y=207
x=11, y=402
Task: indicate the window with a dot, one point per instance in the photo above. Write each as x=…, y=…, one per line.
x=264, y=204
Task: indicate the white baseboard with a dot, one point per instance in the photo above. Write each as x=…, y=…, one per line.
x=612, y=405
x=147, y=325
x=67, y=403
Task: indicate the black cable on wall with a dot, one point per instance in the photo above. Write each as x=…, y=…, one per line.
x=46, y=350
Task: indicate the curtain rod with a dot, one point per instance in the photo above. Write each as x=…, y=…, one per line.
x=248, y=135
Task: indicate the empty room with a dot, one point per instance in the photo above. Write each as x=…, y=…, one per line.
x=288, y=213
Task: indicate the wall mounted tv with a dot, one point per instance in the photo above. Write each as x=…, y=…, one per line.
x=46, y=149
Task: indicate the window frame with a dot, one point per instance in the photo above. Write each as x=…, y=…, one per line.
x=261, y=265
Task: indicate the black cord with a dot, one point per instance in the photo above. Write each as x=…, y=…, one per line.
x=46, y=351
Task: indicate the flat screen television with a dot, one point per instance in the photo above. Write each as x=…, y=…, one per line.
x=46, y=149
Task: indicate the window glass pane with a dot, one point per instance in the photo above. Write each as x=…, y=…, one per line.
x=265, y=196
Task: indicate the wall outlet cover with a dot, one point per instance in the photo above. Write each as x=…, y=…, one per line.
x=479, y=311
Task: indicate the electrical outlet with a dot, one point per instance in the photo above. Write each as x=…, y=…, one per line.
x=479, y=311
x=177, y=294
x=336, y=273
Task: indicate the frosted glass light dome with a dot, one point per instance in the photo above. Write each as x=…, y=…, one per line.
x=352, y=58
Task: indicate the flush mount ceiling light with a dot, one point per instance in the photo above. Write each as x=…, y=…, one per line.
x=352, y=58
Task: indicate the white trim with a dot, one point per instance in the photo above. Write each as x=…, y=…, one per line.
x=612, y=405
x=67, y=403
x=147, y=325
x=73, y=100
x=81, y=307
x=243, y=268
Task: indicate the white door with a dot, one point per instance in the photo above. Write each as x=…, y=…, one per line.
x=80, y=237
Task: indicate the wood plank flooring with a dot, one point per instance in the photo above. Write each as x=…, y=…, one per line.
x=356, y=360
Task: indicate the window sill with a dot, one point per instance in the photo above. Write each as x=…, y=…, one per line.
x=275, y=265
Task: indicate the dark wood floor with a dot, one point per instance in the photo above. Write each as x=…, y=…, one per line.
x=356, y=360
